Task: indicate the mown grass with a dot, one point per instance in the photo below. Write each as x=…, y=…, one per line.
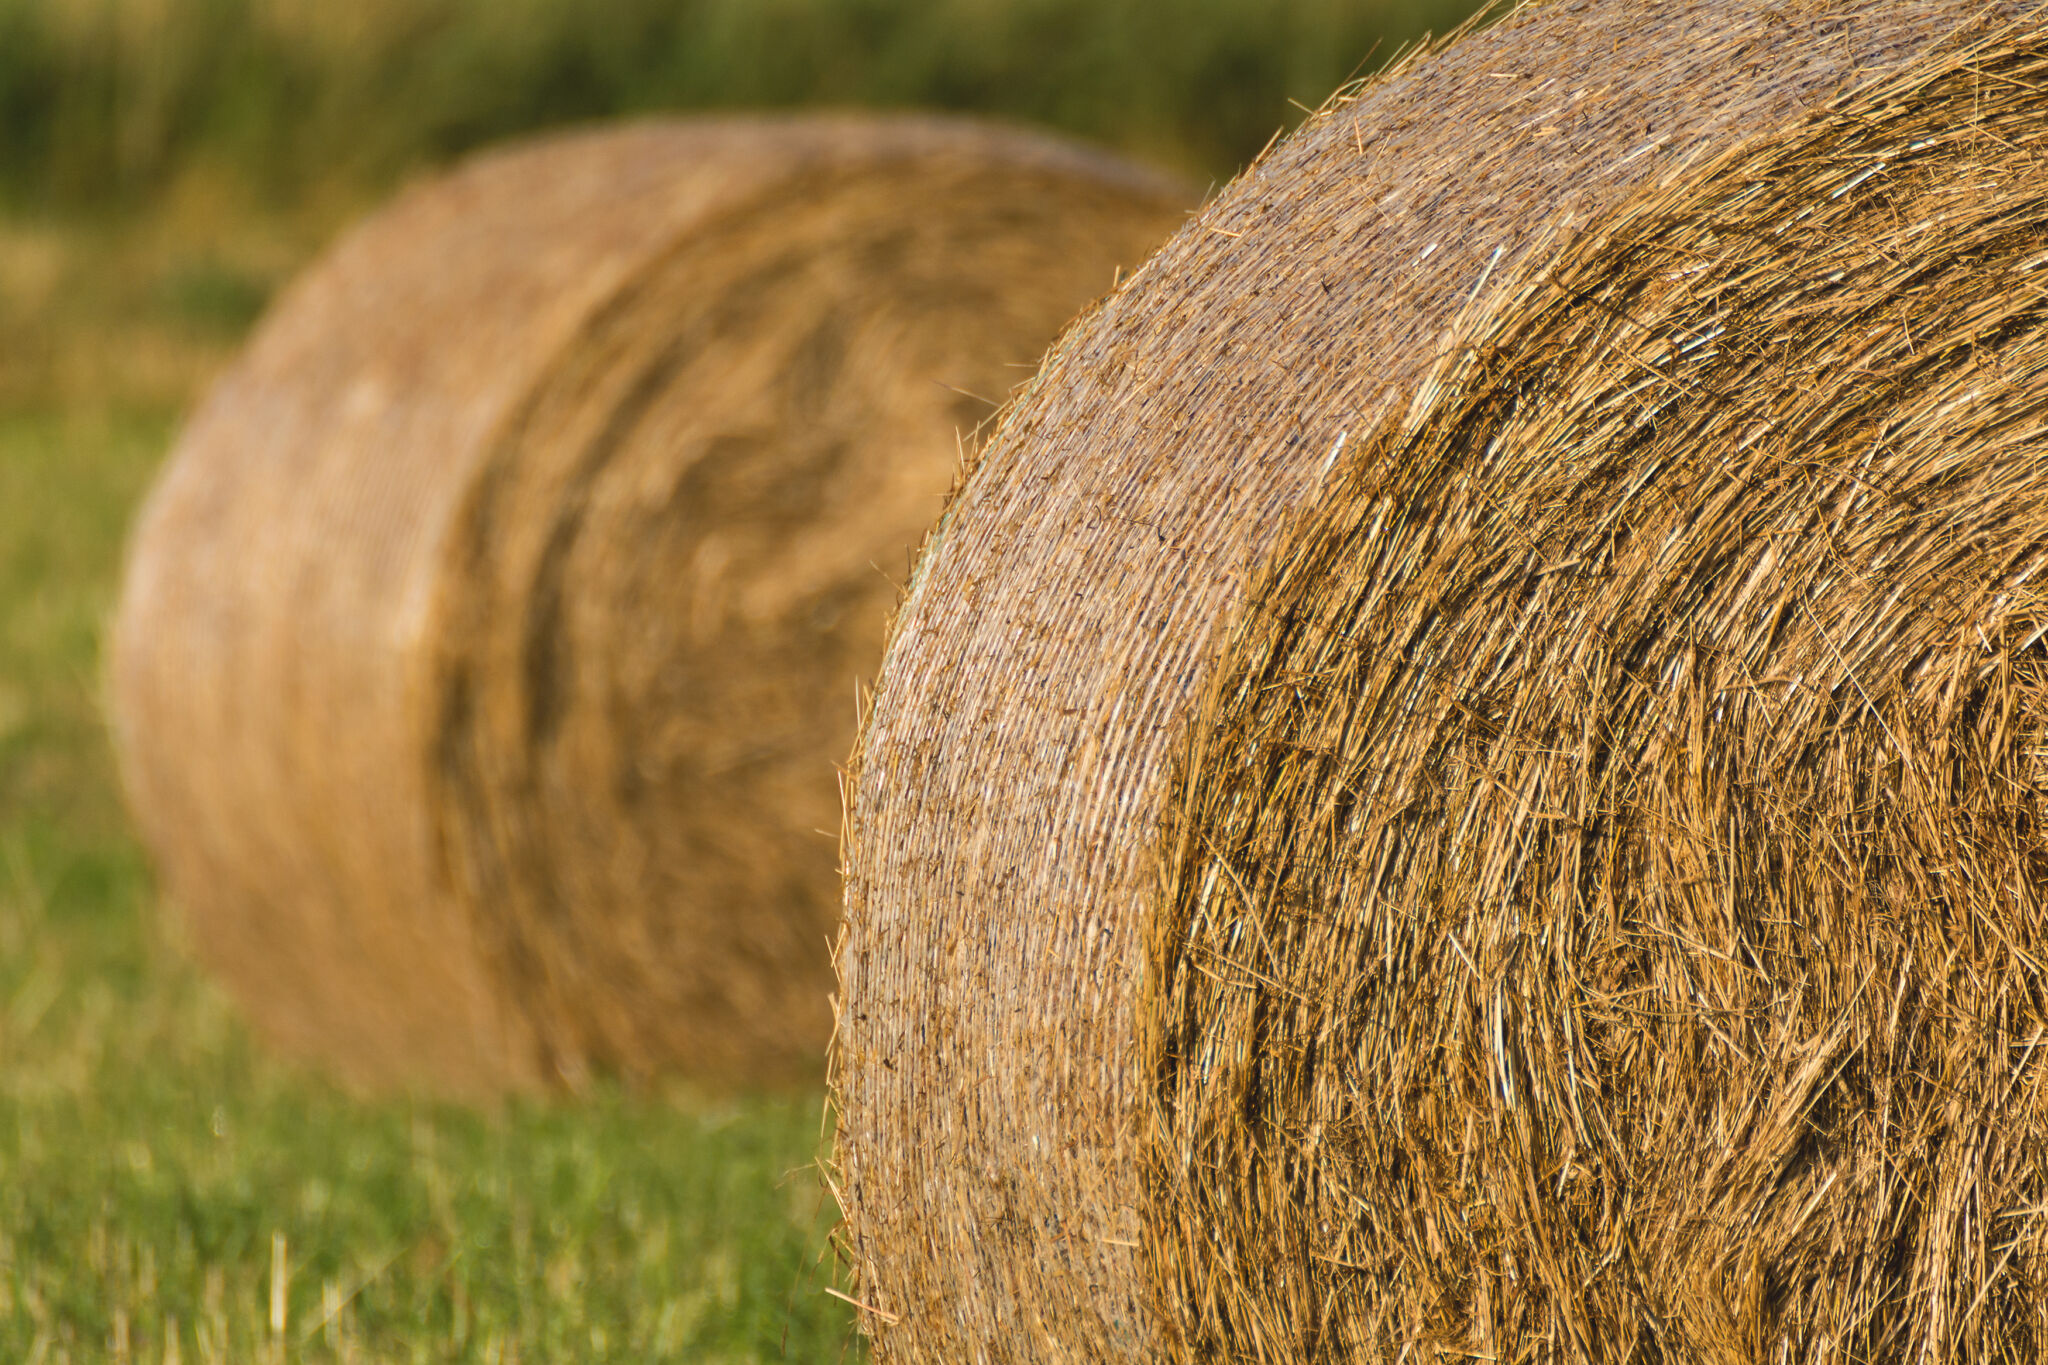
x=170, y=1193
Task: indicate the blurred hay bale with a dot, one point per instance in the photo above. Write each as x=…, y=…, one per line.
x=1143, y=943
x=489, y=639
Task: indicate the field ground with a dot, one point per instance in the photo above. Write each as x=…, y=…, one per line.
x=169, y=1192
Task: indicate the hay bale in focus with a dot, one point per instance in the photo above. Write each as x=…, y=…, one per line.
x=489, y=639
x=1059, y=1138
x=1606, y=908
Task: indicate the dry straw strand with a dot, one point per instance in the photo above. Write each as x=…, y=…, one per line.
x=482, y=659
x=1055, y=1140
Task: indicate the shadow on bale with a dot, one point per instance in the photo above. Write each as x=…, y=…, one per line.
x=489, y=639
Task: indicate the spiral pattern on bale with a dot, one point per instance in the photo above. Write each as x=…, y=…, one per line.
x=490, y=638
x=1141, y=941
x=1606, y=900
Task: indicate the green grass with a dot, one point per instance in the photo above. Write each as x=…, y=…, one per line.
x=162, y=1180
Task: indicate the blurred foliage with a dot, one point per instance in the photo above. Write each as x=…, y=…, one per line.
x=102, y=102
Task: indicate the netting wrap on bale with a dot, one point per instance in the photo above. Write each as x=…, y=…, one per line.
x=1510, y=828
x=489, y=641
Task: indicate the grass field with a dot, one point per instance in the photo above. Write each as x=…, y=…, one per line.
x=169, y=1192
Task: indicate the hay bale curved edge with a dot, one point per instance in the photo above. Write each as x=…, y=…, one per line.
x=489, y=638
x=1000, y=1144
x=1606, y=902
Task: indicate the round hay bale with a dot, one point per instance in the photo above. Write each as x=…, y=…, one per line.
x=1606, y=884
x=1122, y=995
x=490, y=637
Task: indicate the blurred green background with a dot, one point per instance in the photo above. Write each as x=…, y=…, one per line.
x=109, y=100
x=168, y=1193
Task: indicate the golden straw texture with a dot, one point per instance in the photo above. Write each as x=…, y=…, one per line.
x=489, y=639
x=1054, y=1140
x=1606, y=911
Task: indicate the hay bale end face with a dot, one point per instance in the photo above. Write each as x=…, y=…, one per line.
x=489, y=639
x=1605, y=898
x=1467, y=850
